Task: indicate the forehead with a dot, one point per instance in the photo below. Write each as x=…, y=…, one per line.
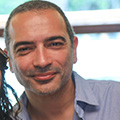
x=42, y=20
x=47, y=15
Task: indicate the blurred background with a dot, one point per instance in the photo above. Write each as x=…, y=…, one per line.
x=97, y=25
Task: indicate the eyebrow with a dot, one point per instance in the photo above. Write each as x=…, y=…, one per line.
x=55, y=38
x=47, y=39
x=22, y=43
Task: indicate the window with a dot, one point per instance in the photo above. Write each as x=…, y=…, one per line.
x=98, y=56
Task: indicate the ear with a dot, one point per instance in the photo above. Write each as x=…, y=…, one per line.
x=75, y=43
x=10, y=64
x=5, y=50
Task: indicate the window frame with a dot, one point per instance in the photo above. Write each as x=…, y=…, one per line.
x=92, y=21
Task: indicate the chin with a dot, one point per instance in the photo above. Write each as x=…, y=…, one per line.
x=47, y=91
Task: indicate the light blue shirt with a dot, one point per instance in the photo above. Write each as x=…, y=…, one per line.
x=94, y=100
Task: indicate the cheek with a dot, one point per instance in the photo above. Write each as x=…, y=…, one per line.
x=66, y=63
x=65, y=58
x=21, y=65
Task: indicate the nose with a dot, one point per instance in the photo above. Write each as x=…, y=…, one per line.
x=42, y=57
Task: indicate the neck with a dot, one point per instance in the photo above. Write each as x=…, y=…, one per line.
x=56, y=106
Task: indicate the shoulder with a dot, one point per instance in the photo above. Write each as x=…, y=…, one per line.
x=104, y=84
x=106, y=90
x=98, y=84
x=99, y=87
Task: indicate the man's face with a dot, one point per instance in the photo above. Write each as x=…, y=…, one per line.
x=40, y=51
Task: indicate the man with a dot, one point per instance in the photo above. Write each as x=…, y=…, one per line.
x=42, y=49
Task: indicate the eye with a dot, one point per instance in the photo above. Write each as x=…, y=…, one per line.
x=56, y=44
x=23, y=50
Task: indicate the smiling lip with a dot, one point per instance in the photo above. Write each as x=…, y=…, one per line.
x=44, y=76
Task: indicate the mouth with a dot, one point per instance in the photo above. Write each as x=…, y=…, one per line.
x=44, y=77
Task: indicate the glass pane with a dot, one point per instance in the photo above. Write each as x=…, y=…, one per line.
x=98, y=56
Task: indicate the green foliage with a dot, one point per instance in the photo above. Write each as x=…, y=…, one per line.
x=76, y=5
x=6, y=6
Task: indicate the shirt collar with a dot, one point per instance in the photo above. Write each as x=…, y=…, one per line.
x=84, y=95
x=83, y=91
